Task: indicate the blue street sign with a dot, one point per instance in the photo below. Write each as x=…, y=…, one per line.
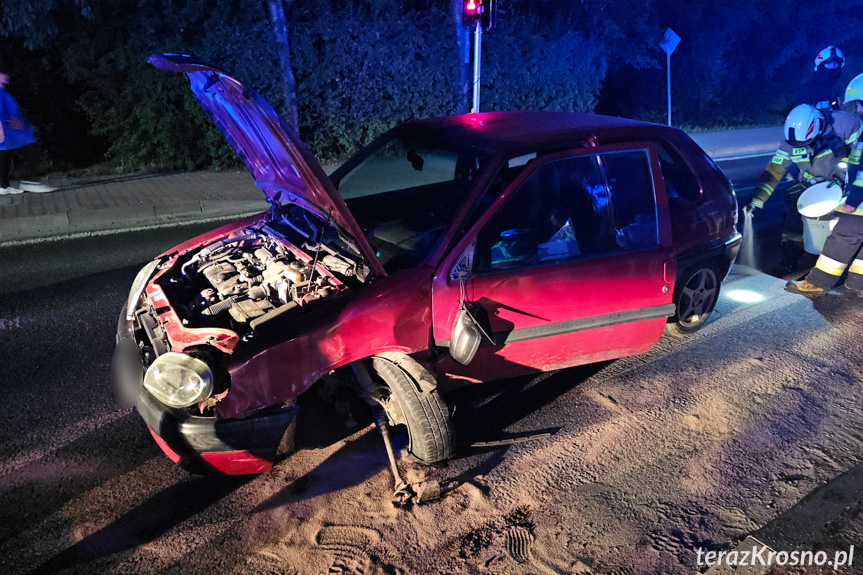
x=669, y=41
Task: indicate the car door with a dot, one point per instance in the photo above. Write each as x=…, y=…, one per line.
x=572, y=264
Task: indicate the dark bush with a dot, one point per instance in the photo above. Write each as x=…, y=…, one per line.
x=79, y=68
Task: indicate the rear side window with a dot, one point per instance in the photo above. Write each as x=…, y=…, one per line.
x=680, y=182
x=571, y=208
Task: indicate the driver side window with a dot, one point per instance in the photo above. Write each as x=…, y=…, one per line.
x=571, y=208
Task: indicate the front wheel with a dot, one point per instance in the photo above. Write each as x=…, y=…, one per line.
x=431, y=437
x=695, y=297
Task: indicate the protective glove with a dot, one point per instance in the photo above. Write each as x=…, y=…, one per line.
x=836, y=181
x=751, y=208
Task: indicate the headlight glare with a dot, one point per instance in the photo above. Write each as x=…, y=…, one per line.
x=179, y=380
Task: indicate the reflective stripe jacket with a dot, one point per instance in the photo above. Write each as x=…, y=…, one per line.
x=817, y=163
x=855, y=172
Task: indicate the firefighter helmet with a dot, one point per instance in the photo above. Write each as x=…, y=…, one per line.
x=830, y=55
x=803, y=125
x=854, y=91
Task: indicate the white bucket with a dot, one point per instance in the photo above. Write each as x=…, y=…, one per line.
x=816, y=205
x=815, y=232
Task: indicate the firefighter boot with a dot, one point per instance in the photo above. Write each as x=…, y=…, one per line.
x=803, y=287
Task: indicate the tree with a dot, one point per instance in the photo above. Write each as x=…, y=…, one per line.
x=289, y=85
x=34, y=22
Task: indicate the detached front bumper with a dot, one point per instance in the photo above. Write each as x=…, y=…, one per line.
x=199, y=444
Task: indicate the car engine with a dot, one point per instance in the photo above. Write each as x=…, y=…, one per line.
x=246, y=281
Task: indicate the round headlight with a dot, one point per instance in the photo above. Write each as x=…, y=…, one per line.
x=179, y=380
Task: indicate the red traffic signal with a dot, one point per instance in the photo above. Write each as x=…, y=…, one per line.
x=481, y=11
x=472, y=12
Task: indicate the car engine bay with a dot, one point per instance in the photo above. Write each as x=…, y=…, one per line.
x=247, y=281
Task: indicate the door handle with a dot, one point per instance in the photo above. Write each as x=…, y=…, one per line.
x=667, y=277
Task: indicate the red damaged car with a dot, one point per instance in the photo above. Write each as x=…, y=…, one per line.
x=450, y=251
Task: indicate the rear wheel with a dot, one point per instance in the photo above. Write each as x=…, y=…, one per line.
x=695, y=297
x=431, y=437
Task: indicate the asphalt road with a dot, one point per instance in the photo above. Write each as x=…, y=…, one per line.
x=743, y=172
x=52, y=262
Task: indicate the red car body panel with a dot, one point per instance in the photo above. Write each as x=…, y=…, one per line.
x=579, y=291
x=181, y=337
x=239, y=462
x=393, y=314
x=568, y=350
x=540, y=301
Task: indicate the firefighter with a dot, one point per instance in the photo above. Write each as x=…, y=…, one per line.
x=853, y=103
x=820, y=91
x=814, y=150
x=841, y=249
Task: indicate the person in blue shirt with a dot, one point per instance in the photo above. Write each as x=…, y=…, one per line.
x=15, y=133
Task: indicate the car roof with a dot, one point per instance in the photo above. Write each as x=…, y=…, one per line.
x=513, y=132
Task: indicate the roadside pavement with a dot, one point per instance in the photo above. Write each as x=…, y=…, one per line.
x=127, y=203
x=141, y=201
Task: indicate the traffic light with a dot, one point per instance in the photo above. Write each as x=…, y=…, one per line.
x=482, y=11
x=471, y=12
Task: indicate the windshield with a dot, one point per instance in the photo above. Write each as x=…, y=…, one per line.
x=404, y=195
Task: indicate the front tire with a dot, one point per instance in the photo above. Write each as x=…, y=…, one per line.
x=695, y=296
x=431, y=436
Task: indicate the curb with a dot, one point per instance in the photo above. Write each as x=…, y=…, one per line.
x=727, y=145
x=52, y=226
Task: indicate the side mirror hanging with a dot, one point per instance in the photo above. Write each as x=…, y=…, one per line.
x=466, y=335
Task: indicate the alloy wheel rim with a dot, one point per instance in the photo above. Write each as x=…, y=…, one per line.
x=697, y=297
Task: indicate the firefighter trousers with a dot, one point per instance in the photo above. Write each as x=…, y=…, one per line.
x=841, y=252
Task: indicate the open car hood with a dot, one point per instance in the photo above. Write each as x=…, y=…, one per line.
x=283, y=167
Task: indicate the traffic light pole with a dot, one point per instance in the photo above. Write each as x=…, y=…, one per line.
x=477, y=49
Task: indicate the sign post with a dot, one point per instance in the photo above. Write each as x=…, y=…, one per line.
x=478, y=14
x=477, y=55
x=669, y=42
